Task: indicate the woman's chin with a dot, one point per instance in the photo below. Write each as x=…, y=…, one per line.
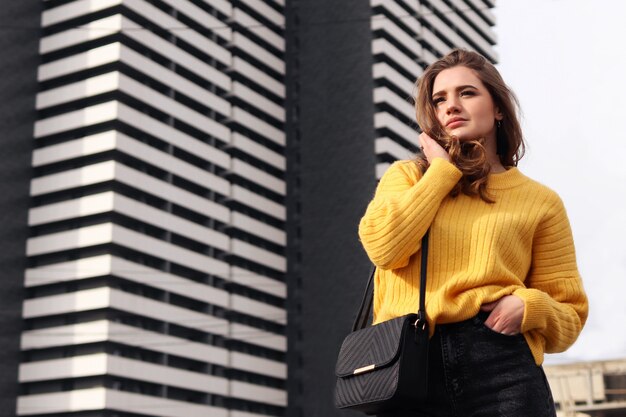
x=461, y=136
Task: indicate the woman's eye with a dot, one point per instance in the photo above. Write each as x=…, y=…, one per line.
x=438, y=100
x=467, y=93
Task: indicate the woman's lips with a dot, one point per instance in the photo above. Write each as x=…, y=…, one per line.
x=455, y=123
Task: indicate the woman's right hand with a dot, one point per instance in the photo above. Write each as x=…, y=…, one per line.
x=432, y=149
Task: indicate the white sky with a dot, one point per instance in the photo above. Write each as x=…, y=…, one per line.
x=566, y=61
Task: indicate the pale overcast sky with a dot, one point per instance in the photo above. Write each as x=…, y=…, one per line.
x=566, y=61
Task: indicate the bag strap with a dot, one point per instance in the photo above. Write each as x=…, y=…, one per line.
x=365, y=309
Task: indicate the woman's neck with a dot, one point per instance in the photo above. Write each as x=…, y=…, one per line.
x=492, y=155
x=496, y=165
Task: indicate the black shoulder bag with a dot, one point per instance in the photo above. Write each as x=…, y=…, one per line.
x=385, y=367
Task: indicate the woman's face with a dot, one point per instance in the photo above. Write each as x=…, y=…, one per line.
x=463, y=105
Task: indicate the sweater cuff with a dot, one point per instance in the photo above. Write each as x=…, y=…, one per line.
x=537, y=308
x=443, y=173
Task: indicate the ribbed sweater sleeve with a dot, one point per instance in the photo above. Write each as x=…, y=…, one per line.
x=403, y=208
x=556, y=304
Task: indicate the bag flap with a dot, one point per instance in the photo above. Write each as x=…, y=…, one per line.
x=373, y=347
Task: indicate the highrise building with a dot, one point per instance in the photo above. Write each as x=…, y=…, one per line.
x=178, y=146
x=155, y=282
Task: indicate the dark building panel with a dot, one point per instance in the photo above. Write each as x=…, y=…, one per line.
x=19, y=40
x=331, y=172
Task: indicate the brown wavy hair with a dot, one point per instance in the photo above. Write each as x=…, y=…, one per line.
x=470, y=155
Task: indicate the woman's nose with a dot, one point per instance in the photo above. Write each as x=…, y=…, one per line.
x=452, y=106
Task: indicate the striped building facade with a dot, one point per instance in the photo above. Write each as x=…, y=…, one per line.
x=156, y=269
x=164, y=193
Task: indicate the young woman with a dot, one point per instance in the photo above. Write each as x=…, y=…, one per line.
x=503, y=287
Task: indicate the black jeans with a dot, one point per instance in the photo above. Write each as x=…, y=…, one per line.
x=476, y=372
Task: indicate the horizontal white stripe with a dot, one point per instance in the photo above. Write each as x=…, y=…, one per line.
x=257, y=365
x=161, y=407
x=91, y=115
x=398, y=12
x=485, y=20
x=109, y=201
x=260, y=203
x=112, y=233
x=91, y=174
x=102, y=330
x=103, y=364
x=108, y=264
x=389, y=146
x=111, y=170
x=105, y=297
x=259, y=126
x=258, y=29
x=491, y=18
x=463, y=27
x=436, y=42
x=223, y=6
x=257, y=100
x=75, y=9
x=171, y=135
x=381, y=22
x=175, y=81
x=68, y=271
x=172, y=164
x=251, y=72
x=383, y=47
x=258, y=255
x=258, y=282
x=110, y=82
x=164, y=20
x=386, y=120
x=72, y=239
x=75, y=367
x=255, y=227
x=59, y=402
x=266, y=11
x=258, y=151
x=102, y=398
x=258, y=176
x=174, y=108
x=258, y=309
x=242, y=42
x=83, y=206
x=203, y=18
x=98, y=84
x=251, y=392
x=258, y=337
x=384, y=70
x=92, y=30
x=85, y=60
x=401, y=104
x=179, y=56
x=87, y=145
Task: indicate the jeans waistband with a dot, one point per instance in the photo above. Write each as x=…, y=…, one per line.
x=473, y=321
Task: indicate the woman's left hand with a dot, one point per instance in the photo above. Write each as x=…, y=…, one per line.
x=506, y=315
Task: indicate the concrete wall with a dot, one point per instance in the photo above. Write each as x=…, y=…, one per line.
x=331, y=174
x=19, y=39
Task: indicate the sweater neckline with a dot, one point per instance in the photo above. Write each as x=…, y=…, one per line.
x=510, y=178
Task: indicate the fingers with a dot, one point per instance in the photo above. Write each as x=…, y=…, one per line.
x=488, y=306
x=506, y=315
x=431, y=148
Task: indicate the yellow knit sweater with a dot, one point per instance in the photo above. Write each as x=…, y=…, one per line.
x=479, y=252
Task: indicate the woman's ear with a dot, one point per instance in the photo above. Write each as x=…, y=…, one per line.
x=499, y=115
